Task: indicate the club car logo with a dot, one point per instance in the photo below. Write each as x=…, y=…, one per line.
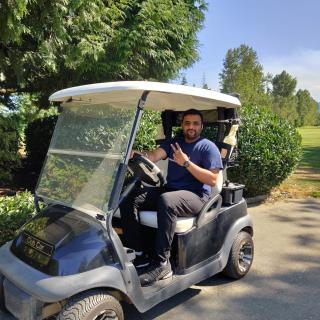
x=37, y=244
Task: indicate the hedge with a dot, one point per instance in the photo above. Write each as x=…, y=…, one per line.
x=9, y=146
x=38, y=135
x=15, y=211
x=269, y=150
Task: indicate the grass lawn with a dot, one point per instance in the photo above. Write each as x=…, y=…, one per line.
x=305, y=181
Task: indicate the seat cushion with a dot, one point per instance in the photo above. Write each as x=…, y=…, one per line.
x=149, y=218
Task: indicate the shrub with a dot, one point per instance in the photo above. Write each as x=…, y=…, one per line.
x=14, y=212
x=38, y=135
x=269, y=149
x=148, y=129
x=9, y=145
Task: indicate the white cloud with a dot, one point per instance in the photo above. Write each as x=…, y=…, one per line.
x=304, y=65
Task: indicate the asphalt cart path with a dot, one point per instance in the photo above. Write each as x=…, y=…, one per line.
x=283, y=284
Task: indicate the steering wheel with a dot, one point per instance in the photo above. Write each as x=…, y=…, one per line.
x=146, y=171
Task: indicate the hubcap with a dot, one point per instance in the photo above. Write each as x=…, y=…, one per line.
x=245, y=257
x=106, y=315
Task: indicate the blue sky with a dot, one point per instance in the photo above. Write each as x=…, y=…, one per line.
x=284, y=33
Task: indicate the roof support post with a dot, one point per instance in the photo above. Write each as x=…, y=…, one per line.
x=220, y=124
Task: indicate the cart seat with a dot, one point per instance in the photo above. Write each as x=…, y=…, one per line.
x=149, y=218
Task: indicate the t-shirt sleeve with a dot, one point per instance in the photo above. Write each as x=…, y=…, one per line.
x=212, y=158
x=165, y=145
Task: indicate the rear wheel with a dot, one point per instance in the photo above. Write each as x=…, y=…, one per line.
x=92, y=305
x=240, y=257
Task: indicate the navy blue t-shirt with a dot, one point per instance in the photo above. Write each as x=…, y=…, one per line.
x=202, y=152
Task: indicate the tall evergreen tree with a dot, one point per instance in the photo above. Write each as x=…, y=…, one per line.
x=284, y=85
x=284, y=99
x=49, y=45
x=242, y=73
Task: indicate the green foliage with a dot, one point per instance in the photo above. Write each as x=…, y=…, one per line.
x=14, y=212
x=286, y=108
x=38, y=135
x=284, y=85
x=9, y=145
x=87, y=147
x=307, y=109
x=77, y=180
x=148, y=130
x=269, y=149
x=26, y=111
x=242, y=73
x=45, y=46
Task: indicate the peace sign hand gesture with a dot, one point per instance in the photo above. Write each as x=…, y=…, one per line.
x=178, y=155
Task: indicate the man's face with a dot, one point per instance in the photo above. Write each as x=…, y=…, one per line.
x=192, y=127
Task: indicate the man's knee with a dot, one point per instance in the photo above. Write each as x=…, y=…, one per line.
x=166, y=201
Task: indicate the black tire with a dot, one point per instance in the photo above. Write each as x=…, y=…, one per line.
x=92, y=305
x=240, y=257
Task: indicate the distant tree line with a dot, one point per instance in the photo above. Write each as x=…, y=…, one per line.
x=242, y=73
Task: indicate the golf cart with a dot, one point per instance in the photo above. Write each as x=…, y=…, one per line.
x=69, y=262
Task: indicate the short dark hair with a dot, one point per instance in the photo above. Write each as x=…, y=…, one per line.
x=192, y=111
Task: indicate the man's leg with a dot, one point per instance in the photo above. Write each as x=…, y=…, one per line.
x=140, y=199
x=170, y=206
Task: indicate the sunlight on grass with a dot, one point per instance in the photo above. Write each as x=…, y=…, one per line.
x=310, y=146
x=305, y=181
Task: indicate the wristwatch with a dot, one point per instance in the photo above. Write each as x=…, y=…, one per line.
x=186, y=164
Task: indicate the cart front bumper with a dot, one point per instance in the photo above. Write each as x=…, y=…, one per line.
x=20, y=304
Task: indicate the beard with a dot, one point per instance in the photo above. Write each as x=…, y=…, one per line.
x=191, y=134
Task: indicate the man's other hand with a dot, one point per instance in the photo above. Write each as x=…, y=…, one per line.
x=178, y=155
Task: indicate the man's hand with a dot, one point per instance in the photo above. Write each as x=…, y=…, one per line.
x=152, y=155
x=133, y=152
x=178, y=155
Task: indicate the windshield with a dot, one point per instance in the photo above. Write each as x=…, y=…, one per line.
x=88, y=144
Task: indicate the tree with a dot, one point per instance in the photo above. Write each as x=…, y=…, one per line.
x=242, y=73
x=184, y=81
x=284, y=100
x=286, y=108
x=49, y=45
x=284, y=85
x=307, y=108
x=204, y=82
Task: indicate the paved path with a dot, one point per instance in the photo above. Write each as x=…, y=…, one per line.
x=283, y=284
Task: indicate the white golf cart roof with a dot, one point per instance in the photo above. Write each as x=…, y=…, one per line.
x=162, y=95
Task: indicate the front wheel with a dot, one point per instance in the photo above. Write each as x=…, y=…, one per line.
x=240, y=257
x=92, y=305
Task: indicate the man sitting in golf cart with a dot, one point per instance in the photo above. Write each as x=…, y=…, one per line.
x=193, y=167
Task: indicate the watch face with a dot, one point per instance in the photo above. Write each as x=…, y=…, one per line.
x=186, y=164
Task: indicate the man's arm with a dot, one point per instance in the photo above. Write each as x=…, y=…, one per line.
x=205, y=176
x=153, y=155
